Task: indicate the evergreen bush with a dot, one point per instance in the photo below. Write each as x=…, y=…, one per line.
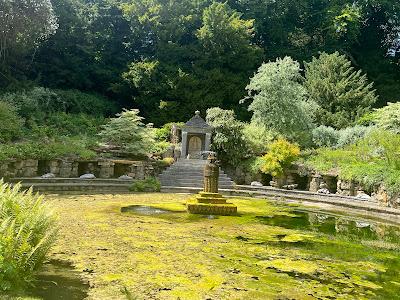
x=128, y=132
x=388, y=117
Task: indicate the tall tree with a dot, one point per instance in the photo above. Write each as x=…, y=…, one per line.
x=194, y=57
x=279, y=100
x=89, y=51
x=342, y=93
x=24, y=24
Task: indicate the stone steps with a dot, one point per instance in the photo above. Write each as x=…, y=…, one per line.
x=189, y=173
x=177, y=181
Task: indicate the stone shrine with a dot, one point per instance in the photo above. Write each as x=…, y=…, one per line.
x=196, y=137
x=210, y=202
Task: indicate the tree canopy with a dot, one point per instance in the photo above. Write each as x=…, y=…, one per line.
x=170, y=58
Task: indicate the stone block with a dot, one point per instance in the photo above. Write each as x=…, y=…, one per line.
x=32, y=163
x=106, y=169
x=226, y=209
x=210, y=204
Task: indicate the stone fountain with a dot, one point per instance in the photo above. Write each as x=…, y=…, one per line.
x=209, y=201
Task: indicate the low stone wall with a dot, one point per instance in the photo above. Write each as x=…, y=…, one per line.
x=67, y=168
x=315, y=182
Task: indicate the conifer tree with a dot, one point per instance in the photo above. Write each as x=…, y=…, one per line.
x=342, y=93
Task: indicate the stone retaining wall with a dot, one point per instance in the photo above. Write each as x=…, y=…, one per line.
x=307, y=180
x=68, y=168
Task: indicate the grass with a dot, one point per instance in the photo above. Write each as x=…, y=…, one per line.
x=182, y=256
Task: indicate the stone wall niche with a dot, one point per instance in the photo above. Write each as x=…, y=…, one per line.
x=43, y=167
x=346, y=187
x=331, y=182
x=121, y=169
x=88, y=167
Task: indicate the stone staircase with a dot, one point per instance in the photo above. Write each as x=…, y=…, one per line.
x=189, y=173
x=74, y=185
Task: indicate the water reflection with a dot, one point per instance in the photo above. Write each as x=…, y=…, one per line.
x=334, y=225
x=144, y=210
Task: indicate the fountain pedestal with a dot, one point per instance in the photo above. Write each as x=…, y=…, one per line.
x=210, y=202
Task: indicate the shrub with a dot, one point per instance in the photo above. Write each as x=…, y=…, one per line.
x=35, y=103
x=372, y=161
x=128, y=132
x=160, y=147
x=73, y=124
x=163, y=134
x=150, y=184
x=27, y=232
x=351, y=135
x=325, y=136
x=257, y=138
x=78, y=146
x=388, y=117
x=77, y=102
x=168, y=161
x=10, y=123
x=228, y=139
x=281, y=154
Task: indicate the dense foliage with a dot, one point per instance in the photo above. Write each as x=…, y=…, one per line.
x=388, y=117
x=24, y=24
x=325, y=136
x=179, y=56
x=279, y=100
x=371, y=161
x=150, y=184
x=228, y=138
x=27, y=232
x=342, y=93
x=11, y=123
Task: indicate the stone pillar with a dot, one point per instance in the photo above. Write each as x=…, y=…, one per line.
x=65, y=169
x=54, y=167
x=106, y=169
x=211, y=176
x=315, y=183
x=184, y=144
x=30, y=168
x=207, y=142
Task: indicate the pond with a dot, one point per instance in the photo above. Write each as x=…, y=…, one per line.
x=335, y=255
x=144, y=210
x=147, y=246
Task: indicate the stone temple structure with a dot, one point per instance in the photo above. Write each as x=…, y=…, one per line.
x=196, y=137
x=210, y=202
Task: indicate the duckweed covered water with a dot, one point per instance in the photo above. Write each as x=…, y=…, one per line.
x=336, y=256
x=267, y=251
